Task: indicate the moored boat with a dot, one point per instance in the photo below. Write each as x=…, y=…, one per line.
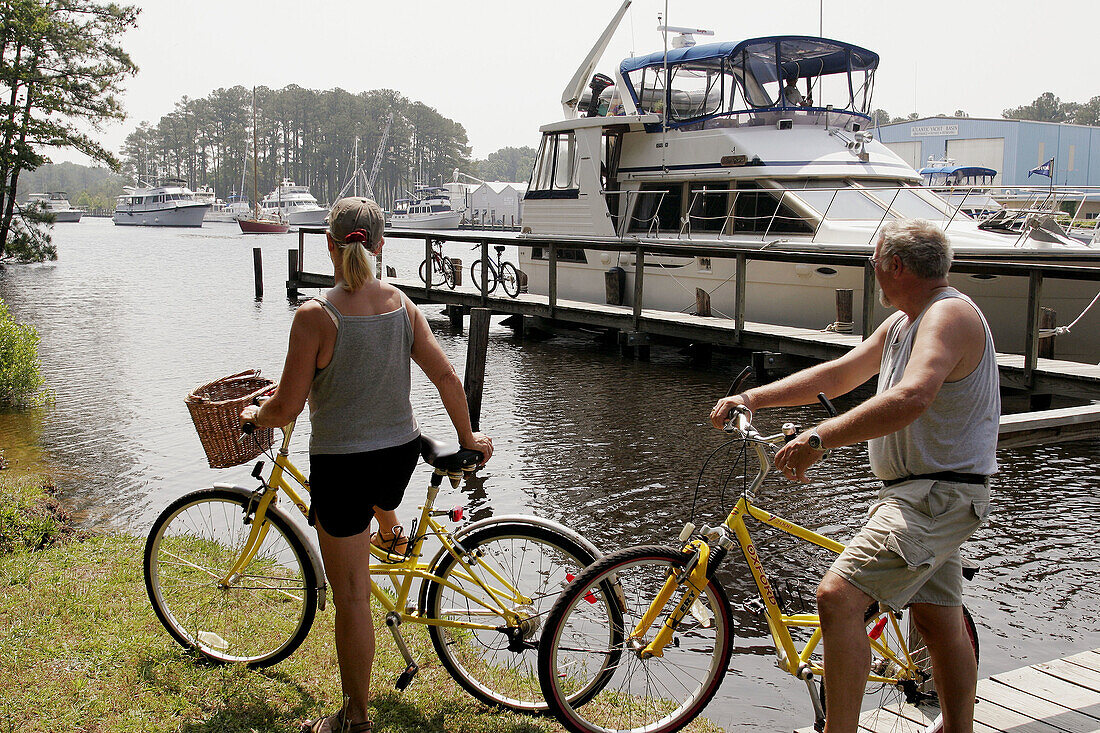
x=429, y=207
x=295, y=204
x=706, y=144
x=262, y=225
x=57, y=203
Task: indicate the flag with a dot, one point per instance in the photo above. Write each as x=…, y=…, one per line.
x=1046, y=169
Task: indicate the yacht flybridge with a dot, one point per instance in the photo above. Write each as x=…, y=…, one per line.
x=759, y=143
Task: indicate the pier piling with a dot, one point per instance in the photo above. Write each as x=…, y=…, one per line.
x=476, y=349
x=292, y=273
x=258, y=271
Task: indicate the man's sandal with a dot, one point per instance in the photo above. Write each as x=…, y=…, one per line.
x=396, y=544
x=335, y=724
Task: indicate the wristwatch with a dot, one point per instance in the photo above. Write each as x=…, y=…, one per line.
x=814, y=441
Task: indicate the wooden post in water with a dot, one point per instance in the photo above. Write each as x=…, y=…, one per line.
x=844, y=310
x=476, y=348
x=1031, y=340
x=702, y=302
x=552, y=279
x=454, y=314
x=458, y=270
x=292, y=273
x=258, y=270
x=739, y=294
x=1048, y=319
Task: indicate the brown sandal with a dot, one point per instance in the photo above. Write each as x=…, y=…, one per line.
x=335, y=724
x=397, y=544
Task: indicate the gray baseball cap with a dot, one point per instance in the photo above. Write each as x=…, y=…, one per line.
x=353, y=214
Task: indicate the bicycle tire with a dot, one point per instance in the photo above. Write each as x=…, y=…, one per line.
x=491, y=276
x=448, y=268
x=918, y=695
x=191, y=546
x=656, y=695
x=509, y=279
x=436, y=271
x=538, y=561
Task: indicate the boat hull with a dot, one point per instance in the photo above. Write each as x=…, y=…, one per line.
x=446, y=220
x=260, y=226
x=180, y=216
x=309, y=218
x=67, y=217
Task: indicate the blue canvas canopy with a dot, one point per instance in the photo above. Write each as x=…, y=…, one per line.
x=961, y=170
x=799, y=56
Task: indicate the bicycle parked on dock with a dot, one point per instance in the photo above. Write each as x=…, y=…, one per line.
x=439, y=266
x=232, y=577
x=642, y=639
x=500, y=271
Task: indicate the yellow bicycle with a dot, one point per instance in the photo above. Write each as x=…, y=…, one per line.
x=234, y=578
x=654, y=662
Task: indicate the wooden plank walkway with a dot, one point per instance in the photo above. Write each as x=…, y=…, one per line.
x=1051, y=376
x=1062, y=696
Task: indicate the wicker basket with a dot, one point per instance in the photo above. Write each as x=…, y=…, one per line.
x=216, y=411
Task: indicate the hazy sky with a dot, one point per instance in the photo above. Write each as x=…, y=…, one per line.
x=498, y=67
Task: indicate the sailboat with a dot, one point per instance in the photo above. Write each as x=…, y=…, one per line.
x=256, y=224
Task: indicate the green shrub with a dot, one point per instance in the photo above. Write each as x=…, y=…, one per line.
x=21, y=385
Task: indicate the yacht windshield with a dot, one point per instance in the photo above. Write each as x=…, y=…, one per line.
x=843, y=199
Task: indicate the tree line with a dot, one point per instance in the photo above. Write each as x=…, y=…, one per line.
x=1047, y=107
x=312, y=137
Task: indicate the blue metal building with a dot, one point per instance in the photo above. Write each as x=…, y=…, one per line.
x=1010, y=147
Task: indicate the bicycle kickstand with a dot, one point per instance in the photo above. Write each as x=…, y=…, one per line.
x=393, y=621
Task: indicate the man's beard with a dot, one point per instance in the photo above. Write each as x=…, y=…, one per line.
x=883, y=299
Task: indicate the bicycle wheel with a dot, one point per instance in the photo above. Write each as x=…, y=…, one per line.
x=491, y=276
x=911, y=701
x=436, y=272
x=499, y=666
x=449, y=272
x=509, y=279
x=655, y=694
x=262, y=614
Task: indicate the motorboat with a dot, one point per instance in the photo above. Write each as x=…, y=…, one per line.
x=428, y=207
x=230, y=209
x=295, y=204
x=56, y=203
x=700, y=144
x=966, y=187
x=166, y=204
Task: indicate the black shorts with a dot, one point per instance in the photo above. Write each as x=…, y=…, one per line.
x=345, y=487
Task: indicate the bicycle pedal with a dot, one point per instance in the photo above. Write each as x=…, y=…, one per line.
x=407, y=676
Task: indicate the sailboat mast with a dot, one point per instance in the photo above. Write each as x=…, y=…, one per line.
x=255, y=162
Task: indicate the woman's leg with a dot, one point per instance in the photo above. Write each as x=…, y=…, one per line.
x=387, y=520
x=347, y=566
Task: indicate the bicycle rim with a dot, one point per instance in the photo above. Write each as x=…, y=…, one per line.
x=449, y=272
x=262, y=614
x=536, y=561
x=509, y=279
x=631, y=693
x=490, y=275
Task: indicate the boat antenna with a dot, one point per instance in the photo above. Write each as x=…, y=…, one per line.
x=668, y=99
x=820, y=18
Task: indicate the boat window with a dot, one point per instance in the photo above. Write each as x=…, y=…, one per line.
x=836, y=199
x=908, y=202
x=555, y=165
x=708, y=206
x=564, y=168
x=696, y=90
x=764, y=210
x=650, y=82
x=657, y=208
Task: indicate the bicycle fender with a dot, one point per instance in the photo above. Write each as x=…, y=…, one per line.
x=311, y=549
x=521, y=519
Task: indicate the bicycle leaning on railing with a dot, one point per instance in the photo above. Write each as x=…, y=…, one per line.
x=641, y=640
x=440, y=266
x=232, y=577
x=500, y=271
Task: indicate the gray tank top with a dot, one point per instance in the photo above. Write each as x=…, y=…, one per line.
x=958, y=432
x=360, y=400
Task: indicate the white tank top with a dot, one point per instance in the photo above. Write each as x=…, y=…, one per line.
x=958, y=432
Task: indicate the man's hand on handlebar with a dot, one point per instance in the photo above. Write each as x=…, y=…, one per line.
x=796, y=457
x=724, y=407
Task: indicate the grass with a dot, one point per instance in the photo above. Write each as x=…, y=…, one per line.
x=82, y=651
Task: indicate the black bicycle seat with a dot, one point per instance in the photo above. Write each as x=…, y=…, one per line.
x=448, y=455
x=499, y=248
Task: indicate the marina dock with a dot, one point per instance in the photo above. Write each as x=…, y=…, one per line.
x=1061, y=696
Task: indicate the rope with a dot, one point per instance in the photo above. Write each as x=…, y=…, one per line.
x=1062, y=330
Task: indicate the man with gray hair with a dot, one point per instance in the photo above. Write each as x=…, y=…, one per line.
x=931, y=429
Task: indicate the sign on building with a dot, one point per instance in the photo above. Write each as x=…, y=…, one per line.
x=933, y=130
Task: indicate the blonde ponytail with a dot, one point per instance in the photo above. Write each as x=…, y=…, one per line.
x=356, y=266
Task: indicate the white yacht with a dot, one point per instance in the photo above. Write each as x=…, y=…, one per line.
x=295, y=204
x=966, y=187
x=169, y=204
x=428, y=208
x=57, y=203
x=720, y=154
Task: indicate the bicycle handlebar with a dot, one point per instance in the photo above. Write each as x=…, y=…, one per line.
x=248, y=428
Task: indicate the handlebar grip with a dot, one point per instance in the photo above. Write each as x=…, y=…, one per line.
x=738, y=381
x=827, y=404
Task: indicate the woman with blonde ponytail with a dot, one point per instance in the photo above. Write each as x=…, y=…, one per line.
x=349, y=354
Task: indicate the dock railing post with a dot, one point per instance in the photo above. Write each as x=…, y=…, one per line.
x=292, y=272
x=1031, y=344
x=258, y=271
x=301, y=250
x=427, y=264
x=869, y=286
x=476, y=349
x=740, y=262
x=639, y=276
x=485, y=272
x=1048, y=319
x=552, y=286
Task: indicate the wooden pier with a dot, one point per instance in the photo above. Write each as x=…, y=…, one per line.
x=1062, y=696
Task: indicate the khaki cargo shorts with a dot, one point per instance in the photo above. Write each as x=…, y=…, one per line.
x=908, y=551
